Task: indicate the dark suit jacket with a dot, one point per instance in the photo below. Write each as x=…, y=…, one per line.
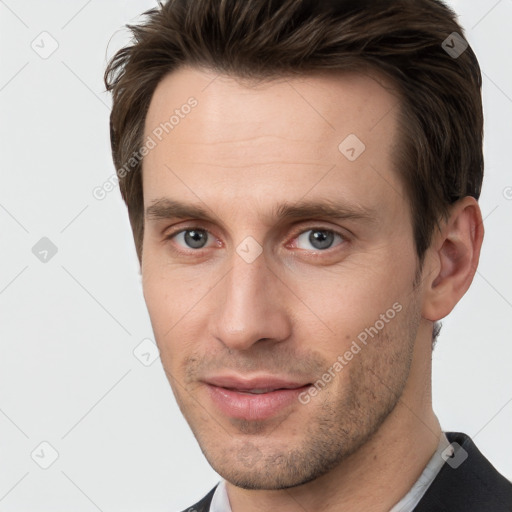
x=472, y=486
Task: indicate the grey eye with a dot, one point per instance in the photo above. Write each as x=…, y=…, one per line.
x=194, y=238
x=318, y=238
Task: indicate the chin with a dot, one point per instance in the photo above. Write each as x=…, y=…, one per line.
x=253, y=466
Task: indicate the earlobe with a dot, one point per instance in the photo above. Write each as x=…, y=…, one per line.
x=454, y=255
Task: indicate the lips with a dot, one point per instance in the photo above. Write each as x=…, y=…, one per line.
x=265, y=383
x=255, y=398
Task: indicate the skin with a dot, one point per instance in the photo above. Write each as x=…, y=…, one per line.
x=364, y=439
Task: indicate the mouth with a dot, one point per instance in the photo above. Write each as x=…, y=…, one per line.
x=253, y=399
x=255, y=391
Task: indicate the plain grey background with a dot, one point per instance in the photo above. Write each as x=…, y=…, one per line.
x=76, y=340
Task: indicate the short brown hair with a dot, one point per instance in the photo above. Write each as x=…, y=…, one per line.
x=440, y=156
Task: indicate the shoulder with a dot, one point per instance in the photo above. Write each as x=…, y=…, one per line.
x=204, y=504
x=467, y=482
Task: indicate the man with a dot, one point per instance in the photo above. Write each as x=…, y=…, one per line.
x=302, y=181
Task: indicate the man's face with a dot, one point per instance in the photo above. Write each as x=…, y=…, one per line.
x=247, y=298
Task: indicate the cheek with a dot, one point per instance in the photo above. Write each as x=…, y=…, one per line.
x=165, y=310
x=352, y=298
x=168, y=293
x=174, y=305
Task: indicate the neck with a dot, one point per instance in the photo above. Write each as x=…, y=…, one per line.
x=379, y=473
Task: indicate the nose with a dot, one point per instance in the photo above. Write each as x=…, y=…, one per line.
x=250, y=306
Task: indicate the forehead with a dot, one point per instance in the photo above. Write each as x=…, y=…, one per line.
x=242, y=134
x=328, y=102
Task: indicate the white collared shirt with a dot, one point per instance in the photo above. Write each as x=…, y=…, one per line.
x=220, y=501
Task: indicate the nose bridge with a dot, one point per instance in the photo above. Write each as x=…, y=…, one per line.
x=248, y=306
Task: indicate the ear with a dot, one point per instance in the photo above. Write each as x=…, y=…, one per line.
x=452, y=259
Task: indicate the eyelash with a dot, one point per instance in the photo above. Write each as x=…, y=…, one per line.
x=344, y=238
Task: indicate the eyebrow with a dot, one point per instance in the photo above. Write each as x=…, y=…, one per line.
x=166, y=208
